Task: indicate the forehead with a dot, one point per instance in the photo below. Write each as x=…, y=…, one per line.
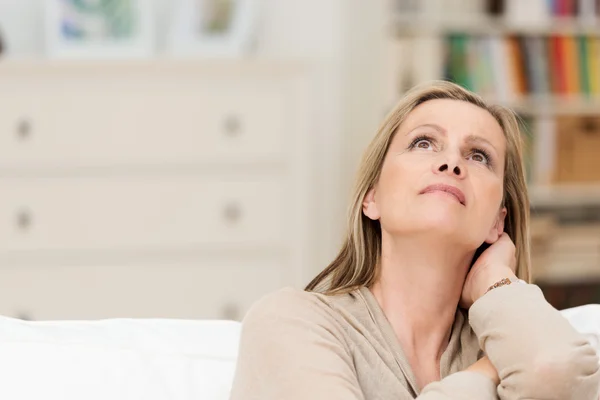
x=456, y=117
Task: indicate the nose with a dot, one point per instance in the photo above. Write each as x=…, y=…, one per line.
x=452, y=167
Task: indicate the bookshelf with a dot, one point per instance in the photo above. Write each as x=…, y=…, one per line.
x=564, y=196
x=540, y=106
x=488, y=25
x=541, y=58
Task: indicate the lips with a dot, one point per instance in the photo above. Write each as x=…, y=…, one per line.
x=456, y=192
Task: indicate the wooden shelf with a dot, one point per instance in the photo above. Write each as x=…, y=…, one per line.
x=553, y=105
x=566, y=277
x=565, y=195
x=485, y=25
x=266, y=66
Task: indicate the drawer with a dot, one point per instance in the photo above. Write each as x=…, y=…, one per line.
x=141, y=212
x=203, y=290
x=83, y=122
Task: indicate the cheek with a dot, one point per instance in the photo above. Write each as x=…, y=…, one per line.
x=490, y=196
x=397, y=177
x=408, y=168
x=397, y=183
x=496, y=193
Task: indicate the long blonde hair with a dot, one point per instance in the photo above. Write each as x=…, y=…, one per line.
x=357, y=262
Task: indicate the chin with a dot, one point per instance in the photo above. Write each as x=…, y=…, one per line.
x=439, y=219
x=444, y=225
x=440, y=223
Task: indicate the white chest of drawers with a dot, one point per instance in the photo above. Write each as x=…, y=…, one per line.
x=152, y=189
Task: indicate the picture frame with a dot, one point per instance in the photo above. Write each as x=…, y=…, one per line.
x=99, y=28
x=213, y=28
x=1, y=43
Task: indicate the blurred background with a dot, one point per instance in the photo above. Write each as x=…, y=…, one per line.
x=182, y=158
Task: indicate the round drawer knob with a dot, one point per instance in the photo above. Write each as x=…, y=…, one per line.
x=24, y=129
x=24, y=315
x=232, y=212
x=24, y=220
x=230, y=312
x=232, y=126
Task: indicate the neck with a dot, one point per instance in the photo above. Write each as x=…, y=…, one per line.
x=418, y=289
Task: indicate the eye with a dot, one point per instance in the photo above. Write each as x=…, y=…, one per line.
x=480, y=156
x=422, y=142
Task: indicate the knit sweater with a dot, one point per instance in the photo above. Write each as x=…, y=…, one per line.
x=298, y=345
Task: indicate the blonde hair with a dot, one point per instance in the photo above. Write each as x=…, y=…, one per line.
x=357, y=262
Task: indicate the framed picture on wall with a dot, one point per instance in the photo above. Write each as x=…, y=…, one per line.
x=1, y=43
x=213, y=28
x=99, y=28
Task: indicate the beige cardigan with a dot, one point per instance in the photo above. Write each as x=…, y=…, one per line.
x=298, y=346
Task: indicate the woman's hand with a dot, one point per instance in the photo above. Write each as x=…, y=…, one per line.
x=484, y=366
x=495, y=263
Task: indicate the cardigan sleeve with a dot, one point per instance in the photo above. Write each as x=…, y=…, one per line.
x=460, y=385
x=537, y=353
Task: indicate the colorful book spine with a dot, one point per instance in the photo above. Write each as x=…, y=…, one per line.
x=539, y=67
x=584, y=72
x=511, y=67
x=473, y=60
x=593, y=50
x=571, y=65
x=500, y=72
x=557, y=64
x=485, y=68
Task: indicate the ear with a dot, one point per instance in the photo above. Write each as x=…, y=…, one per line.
x=369, y=206
x=498, y=227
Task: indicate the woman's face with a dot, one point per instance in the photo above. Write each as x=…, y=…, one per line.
x=443, y=173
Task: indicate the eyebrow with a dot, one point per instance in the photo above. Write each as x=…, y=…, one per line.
x=479, y=139
x=434, y=126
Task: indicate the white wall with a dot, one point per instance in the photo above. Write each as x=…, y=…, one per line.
x=364, y=101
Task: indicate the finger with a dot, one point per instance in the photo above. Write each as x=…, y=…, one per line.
x=505, y=237
x=505, y=240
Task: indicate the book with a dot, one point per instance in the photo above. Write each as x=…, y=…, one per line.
x=570, y=62
x=500, y=72
x=538, y=65
x=593, y=51
x=557, y=65
x=584, y=72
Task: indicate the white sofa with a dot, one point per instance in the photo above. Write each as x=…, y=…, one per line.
x=121, y=359
x=128, y=359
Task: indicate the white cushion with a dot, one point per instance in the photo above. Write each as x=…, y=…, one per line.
x=586, y=319
x=117, y=359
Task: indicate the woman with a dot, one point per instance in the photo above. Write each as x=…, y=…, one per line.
x=424, y=299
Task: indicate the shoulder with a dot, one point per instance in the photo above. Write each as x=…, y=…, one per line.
x=290, y=312
x=290, y=337
x=288, y=302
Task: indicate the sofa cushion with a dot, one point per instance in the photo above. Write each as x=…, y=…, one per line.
x=117, y=359
x=586, y=319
